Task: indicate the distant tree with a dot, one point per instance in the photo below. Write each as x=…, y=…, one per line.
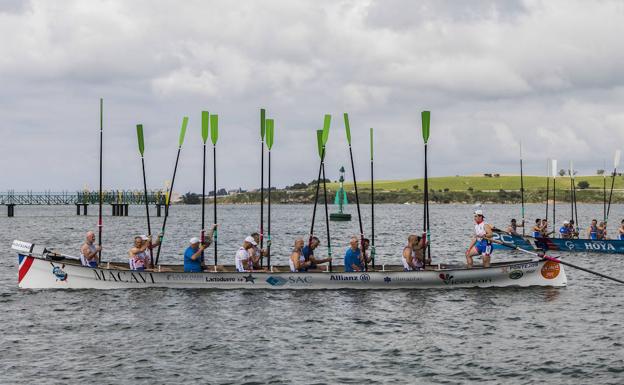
x=191, y=198
x=583, y=184
x=447, y=189
x=600, y=171
x=496, y=175
x=562, y=172
x=470, y=189
x=415, y=187
x=487, y=175
x=297, y=186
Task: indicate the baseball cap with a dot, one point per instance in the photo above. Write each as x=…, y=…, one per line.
x=194, y=240
x=251, y=240
x=478, y=212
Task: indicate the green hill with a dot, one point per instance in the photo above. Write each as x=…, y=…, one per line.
x=483, y=183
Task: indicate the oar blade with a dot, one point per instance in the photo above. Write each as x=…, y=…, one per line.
x=319, y=142
x=554, y=168
x=347, y=127
x=214, y=129
x=139, y=129
x=426, y=118
x=326, y=124
x=270, y=127
x=616, y=159
x=183, y=131
x=262, y=123
x=205, y=124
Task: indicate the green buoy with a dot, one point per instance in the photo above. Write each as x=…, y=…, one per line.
x=341, y=201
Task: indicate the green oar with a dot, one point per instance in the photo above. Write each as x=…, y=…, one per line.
x=270, y=127
x=214, y=135
x=372, y=201
x=426, y=118
x=139, y=128
x=205, y=123
x=168, y=202
x=319, y=141
x=262, y=134
x=616, y=163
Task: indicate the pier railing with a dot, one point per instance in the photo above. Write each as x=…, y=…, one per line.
x=48, y=198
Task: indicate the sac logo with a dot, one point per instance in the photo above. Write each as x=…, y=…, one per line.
x=550, y=270
x=516, y=274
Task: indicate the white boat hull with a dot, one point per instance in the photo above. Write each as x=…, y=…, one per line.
x=41, y=273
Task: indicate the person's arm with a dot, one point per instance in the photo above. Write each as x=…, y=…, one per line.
x=407, y=254
x=198, y=253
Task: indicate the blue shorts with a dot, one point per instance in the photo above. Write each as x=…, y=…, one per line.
x=93, y=264
x=483, y=247
x=621, y=237
x=139, y=269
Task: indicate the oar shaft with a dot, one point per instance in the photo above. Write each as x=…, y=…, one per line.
x=522, y=193
x=214, y=160
x=100, y=189
x=262, y=196
x=426, y=208
x=268, y=219
x=357, y=203
x=610, y=194
x=203, y=203
x=329, y=250
x=149, y=226
x=373, y=251
x=316, y=195
x=167, y=204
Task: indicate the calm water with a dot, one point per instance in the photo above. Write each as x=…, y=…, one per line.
x=571, y=335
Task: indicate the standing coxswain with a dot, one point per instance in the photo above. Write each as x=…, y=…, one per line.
x=482, y=242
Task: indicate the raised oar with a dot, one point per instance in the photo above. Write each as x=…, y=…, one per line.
x=604, y=191
x=270, y=134
x=205, y=121
x=168, y=201
x=357, y=197
x=554, y=175
x=373, y=252
x=522, y=191
x=326, y=124
x=549, y=258
x=576, y=222
x=616, y=162
x=139, y=128
x=548, y=169
x=262, y=133
x=426, y=117
x=100, y=191
x=214, y=135
x=571, y=173
x=321, y=141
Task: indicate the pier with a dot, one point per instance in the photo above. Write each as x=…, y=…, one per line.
x=119, y=200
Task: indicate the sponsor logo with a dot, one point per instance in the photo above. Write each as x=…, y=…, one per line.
x=123, y=276
x=550, y=270
x=184, y=277
x=520, y=266
x=276, y=281
x=338, y=277
x=221, y=279
x=446, y=278
x=387, y=279
x=600, y=246
x=250, y=278
x=569, y=245
x=516, y=274
x=365, y=277
x=59, y=273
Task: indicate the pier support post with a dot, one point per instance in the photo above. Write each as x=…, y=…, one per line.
x=158, y=210
x=85, y=208
x=77, y=208
x=10, y=210
x=125, y=214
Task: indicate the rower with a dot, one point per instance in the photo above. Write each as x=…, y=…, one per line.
x=544, y=229
x=512, y=229
x=193, y=262
x=257, y=252
x=621, y=231
x=482, y=241
x=89, y=251
x=593, y=230
x=413, y=253
x=565, y=232
x=297, y=260
x=602, y=231
x=308, y=253
x=537, y=229
x=352, y=260
x=244, y=255
x=137, y=258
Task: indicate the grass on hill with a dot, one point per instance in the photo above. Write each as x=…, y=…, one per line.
x=482, y=183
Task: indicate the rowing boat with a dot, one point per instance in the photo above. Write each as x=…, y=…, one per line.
x=609, y=246
x=40, y=268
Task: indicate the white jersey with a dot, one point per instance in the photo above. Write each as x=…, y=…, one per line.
x=83, y=259
x=137, y=260
x=480, y=230
x=242, y=257
x=292, y=265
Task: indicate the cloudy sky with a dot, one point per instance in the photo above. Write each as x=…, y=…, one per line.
x=493, y=73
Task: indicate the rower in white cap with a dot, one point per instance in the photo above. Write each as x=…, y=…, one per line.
x=243, y=259
x=482, y=242
x=566, y=230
